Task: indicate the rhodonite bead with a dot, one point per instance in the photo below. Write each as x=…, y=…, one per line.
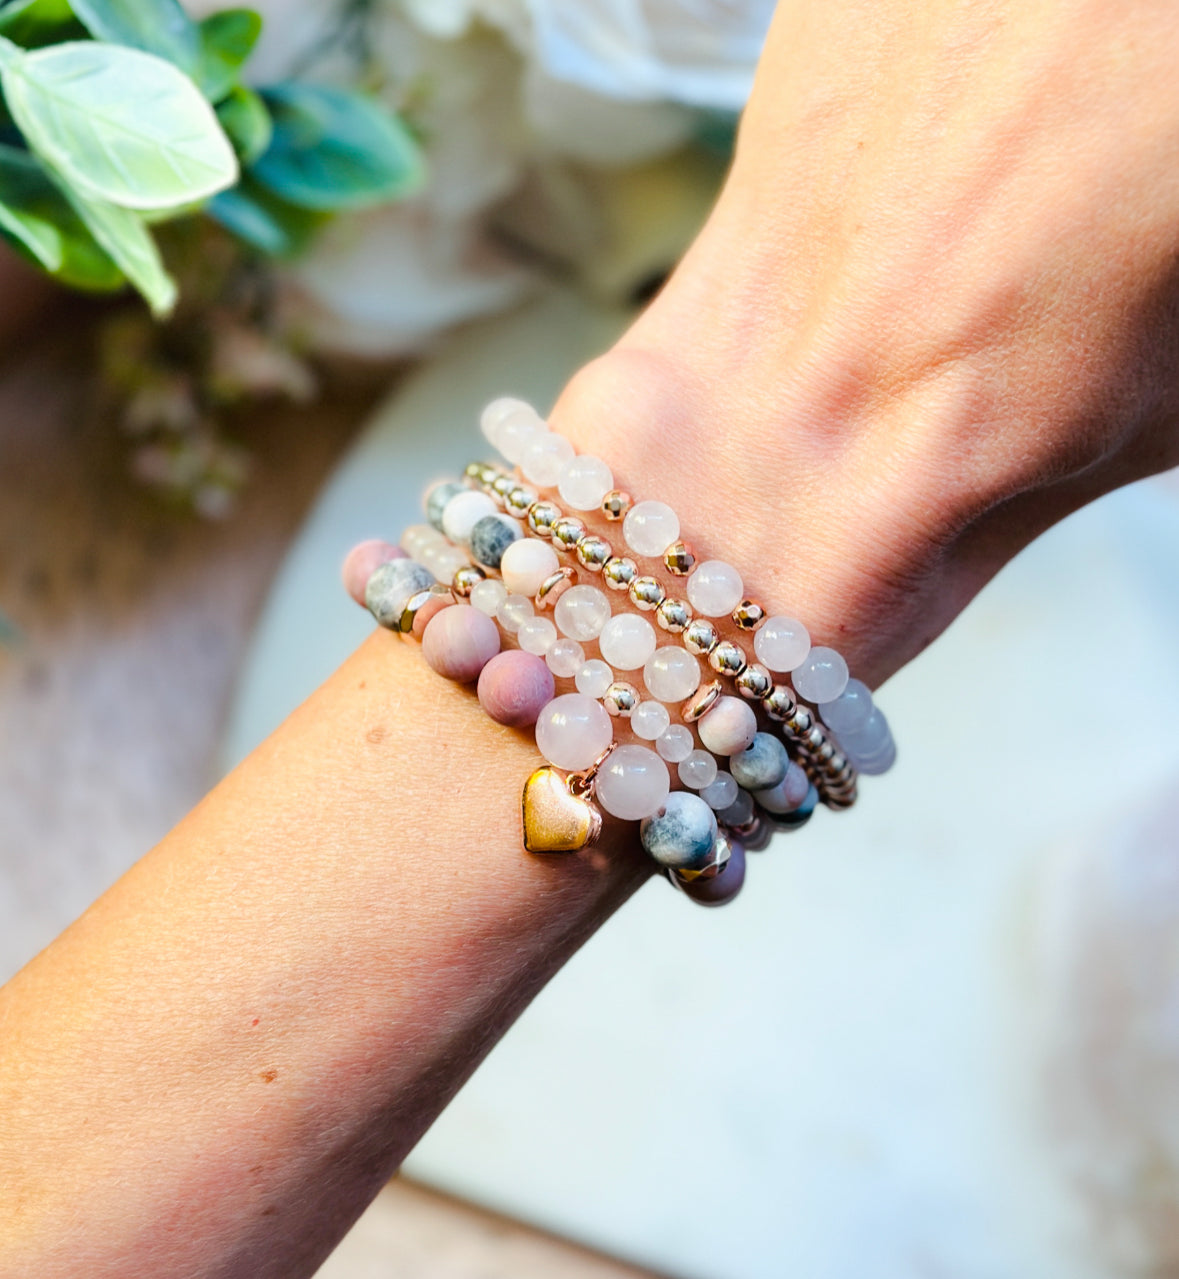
x=728, y=727
x=565, y=658
x=419, y=608
x=594, y=678
x=681, y=833
x=514, y=610
x=491, y=537
x=437, y=497
x=763, y=763
x=627, y=641
x=581, y=612
x=650, y=720
x=463, y=512
x=821, y=676
x=459, y=642
x=493, y=415
x=544, y=455
x=675, y=743
x=723, y=887
x=697, y=770
x=850, y=710
x=650, y=528
x=721, y=791
x=514, y=687
x=390, y=585
x=584, y=481
x=781, y=643
x=488, y=595
x=786, y=795
x=526, y=564
x=715, y=588
x=573, y=730
x=671, y=674
x=632, y=783
x=536, y=635
x=362, y=562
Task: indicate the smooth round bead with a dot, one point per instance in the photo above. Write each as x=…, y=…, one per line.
x=821, y=677
x=879, y=762
x=728, y=727
x=721, y=791
x=650, y=720
x=727, y=659
x=761, y=764
x=593, y=552
x=567, y=532
x=700, y=636
x=584, y=481
x=754, y=682
x=362, y=562
x=437, y=496
x=417, y=538
x=488, y=595
x=494, y=414
x=739, y=811
x=722, y=888
x=421, y=607
x=619, y=571
x=463, y=512
x=715, y=588
x=781, y=643
x=627, y=641
x=615, y=504
x=650, y=528
x=646, y=593
x=526, y=564
x=594, y=678
x=848, y=712
x=581, y=612
x=491, y=537
x=516, y=432
x=390, y=585
x=514, y=610
x=465, y=579
x=544, y=455
x=536, y=635
x=519, y=501
x=673, y=615
x=443, y=560
x=786, y=796
x=514, y=687
x=671, y=674
x=632, y=783
x=698, y=770
x=573, y=730
x=620, y=699
x=675, y=743
x=459, y=642
x=542, y=516
x=681, y=835
x=565, y=658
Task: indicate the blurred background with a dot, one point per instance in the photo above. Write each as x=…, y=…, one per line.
x=938, y=1035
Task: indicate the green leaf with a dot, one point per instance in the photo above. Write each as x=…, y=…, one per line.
x=246, y=121
x=227, y=40
x=32, y=23
x=335, y=150
x=263, y=221
x=155, y=26
x=118, y=124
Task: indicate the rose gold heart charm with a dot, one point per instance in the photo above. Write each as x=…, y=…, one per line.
x=555, y=819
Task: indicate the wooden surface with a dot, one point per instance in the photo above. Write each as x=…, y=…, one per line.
x=130, y=623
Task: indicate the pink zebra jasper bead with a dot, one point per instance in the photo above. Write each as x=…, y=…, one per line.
x=459, y=642
x=514, y=687
x=362, y=561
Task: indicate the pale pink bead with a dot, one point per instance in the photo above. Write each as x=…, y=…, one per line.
x=573, y=730
x=632, y=783
x=432, y=606
x=362, y=561
x=514, y=687
x=459, y=642
x=728, y=727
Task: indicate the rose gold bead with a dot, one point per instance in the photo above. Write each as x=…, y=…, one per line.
x=749, y=615
x=680, y=558
x=703, y=700
x=552, y=588
x=615, y=504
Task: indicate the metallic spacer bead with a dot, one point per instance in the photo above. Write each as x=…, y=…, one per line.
x=646, y=593
x=620, y=699
x=488, y=474
x=593, y=552
x=755, y=682
x=552, y=588
x=800, y=722
x=845, y=800
x=615, y=504
x=419, y=600
x=619, y=572
x=837, y=766
x=727, y=659
x=567, y=532
x=749, y=615
x=542, y=516
x=673, y=615
x=779, y=702
x=502, y=485
x=700, y=636
x=519, y=500
x=473, y=471
x=465, y=578
x=722, y=850
x=701, y=701
x=824, y=754
x=680, y=558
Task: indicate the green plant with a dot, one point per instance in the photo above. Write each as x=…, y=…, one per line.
x=116, y=115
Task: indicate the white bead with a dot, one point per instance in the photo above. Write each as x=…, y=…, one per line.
x=650, y=528
x=671, y=674
x=463, y=512
x=494, y=414
x=698, y=770
x=781, y=643
x=527, y=564
x=512, y=611
x=488, y=595
x=627, y=641
x=632, y=783
x=544, y=455
x=650, y=720
x=444, y=560
x=536, y=635
x=583, y=482
x=728, y=727
x=594, y=678
x=721, y=792
x=517, y=430
x=565, y=658
x=417, y=538
x=715, y=588
x=581, y=612
x=675, y=743
x=573, y=730
x=821, y=677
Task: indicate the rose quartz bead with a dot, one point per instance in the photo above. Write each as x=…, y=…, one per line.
x=514, y=687
x=573, y=730
x=361, y=561
x=459, y=642
x=632, y=783
x=728, y=727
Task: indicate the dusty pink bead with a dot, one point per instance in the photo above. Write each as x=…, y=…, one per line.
x=514, y=687
x=459, y=642
x=362, y=561
x=422, y=617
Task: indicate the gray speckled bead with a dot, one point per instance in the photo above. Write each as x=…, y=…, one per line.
x=491, y=536
x=437, y=498
x=682, y=833
x=762, y=764
x=391, y=585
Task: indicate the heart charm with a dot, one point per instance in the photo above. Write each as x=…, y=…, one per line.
x=556, y=820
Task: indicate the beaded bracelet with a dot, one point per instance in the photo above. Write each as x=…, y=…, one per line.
x=500, y=544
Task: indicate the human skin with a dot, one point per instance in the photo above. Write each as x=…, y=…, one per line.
x=933, y=311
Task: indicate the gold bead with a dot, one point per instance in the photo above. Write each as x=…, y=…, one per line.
x=749, y=615
x=567, y=532
x=680, y=558
x=673, y=615
x=779, y=702
x=615, y=504
x=727, y=659
x=700, y=636
x=473, y=471
x=553, y=587
x=593, y=552
x=619, y=571
x=465, y=579
x=646, y=593
x=701, y=701
x=755, y=682
x=542, y=516
x=518, y=501
x=502, y=485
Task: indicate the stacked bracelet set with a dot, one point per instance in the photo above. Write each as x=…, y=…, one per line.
x=696, y=679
